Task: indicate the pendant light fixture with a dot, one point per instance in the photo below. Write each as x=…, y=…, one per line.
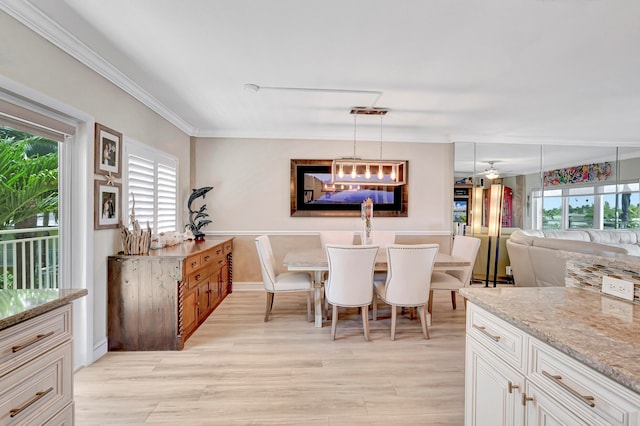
x=388, y=172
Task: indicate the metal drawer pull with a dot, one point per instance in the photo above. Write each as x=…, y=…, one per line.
x=486, y=333
x=587, y=399
x=39, y=395
x=526, y=398
x=36, y=339
x=206, y=258
x=512, y=387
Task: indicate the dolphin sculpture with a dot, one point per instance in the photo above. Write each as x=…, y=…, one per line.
x=197, y=217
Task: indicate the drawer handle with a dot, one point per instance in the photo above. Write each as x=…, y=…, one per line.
x=206, y=258
x=35, y=340
x=512, y=387
x=194, y=264
x=587, y=399
x=38, y=396
x=197, y=277
x=486, y=333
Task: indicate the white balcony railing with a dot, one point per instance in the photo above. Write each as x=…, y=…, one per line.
x=29, y=263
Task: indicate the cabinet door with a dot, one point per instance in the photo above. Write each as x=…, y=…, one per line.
x=189, y=312
x=492, y=390
x=542, y=409
x=204, y=304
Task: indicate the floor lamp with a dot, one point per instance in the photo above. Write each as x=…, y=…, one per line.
x=493, y=223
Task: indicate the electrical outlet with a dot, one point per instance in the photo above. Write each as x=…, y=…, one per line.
x=617, y=287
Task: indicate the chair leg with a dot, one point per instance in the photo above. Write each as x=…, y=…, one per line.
x=422, y=312
x=309, y=305
x=394, y=316
x=453, y=299
x=430, y=308
x=374, y=314
x=365, y=322
x=334, y=322
x=267, y=309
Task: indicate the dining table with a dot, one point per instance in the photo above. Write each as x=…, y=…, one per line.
x=314, y=260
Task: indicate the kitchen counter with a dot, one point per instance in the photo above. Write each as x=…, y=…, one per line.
x=17, y=306
x=600, y=331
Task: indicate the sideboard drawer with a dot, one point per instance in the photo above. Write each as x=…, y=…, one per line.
x=208, y=257
x=24, y=341
x=192, y=263
x=228, y=247
x=38, y=390
x=498, y=335
x=582, y=389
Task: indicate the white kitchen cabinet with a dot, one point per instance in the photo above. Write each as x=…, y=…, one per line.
x=512, y=378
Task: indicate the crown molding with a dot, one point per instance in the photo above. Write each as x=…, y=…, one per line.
x=30, y=16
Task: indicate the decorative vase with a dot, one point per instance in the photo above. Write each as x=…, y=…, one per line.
x=366, y=213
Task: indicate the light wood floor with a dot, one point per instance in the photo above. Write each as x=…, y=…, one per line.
x=238, y=370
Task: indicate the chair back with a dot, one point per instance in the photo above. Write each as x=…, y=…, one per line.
x=466, y=248
x=267, y=262
x=383, y=238
x=409, y=273
x=336, y=237
x=350, y=281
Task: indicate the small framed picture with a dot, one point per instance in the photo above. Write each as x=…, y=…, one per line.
x=108, y=151
x=107, y=209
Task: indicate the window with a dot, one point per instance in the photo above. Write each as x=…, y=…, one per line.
x=151, y=182
x=31, y=162
x=602, y=206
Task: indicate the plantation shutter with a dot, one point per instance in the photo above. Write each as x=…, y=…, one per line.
x=35, y=123
x=152, y=180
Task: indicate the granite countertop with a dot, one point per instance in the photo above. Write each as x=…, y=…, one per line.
x=600, y=331
x=17, y=306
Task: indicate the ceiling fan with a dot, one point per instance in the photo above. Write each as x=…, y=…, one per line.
x=491, y=172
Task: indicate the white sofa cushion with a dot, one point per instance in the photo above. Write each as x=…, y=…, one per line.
x=568, y=235
x=613, y=237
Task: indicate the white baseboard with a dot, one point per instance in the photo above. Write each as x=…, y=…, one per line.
x=248, y=286
x=100, y=349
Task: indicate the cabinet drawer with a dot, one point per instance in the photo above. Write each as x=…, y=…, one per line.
x=192, y=263
x=228, y=247
x=63, y=418
x=197, y=277
x=38, y=390
x=499, y=336
x=22, y=342
x=208, y=257
x=583, y=390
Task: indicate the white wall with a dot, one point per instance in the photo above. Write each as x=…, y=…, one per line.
x=29, y=60
x=251, y=180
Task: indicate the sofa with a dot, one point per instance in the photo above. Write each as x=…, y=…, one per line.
x=536, y=261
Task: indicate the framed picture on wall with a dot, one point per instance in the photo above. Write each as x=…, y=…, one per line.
x=107, y=209
x=108, y=151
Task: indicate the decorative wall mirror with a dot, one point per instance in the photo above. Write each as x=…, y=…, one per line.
x=313, y=194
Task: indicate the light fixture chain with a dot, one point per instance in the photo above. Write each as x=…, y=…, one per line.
x=354, y=135
x=381, y=136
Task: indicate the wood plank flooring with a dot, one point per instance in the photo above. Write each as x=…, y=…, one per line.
x=238, y=370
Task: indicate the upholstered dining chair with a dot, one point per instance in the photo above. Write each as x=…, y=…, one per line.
x=408, y=281
x=284, y=282
x=336, y=237
x=467, y=249
x=350, y=282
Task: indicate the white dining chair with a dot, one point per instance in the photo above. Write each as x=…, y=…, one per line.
x=350, y=282
x=382, y=239
x=284, y=282
x=336, y=237
x=408, y=281
x=453, y=280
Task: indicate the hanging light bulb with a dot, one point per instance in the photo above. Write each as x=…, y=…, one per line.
x=353, y=171
x=380, y=174
x=341, y=171
x=367, y=173
x=393, y=172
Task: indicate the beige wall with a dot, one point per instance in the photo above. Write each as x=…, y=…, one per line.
x=251, y=180
x=31, y=61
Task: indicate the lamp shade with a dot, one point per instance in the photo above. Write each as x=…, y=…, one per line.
x=476, y=218
x=495, y=210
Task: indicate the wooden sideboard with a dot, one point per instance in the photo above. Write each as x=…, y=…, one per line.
x=157, y=301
